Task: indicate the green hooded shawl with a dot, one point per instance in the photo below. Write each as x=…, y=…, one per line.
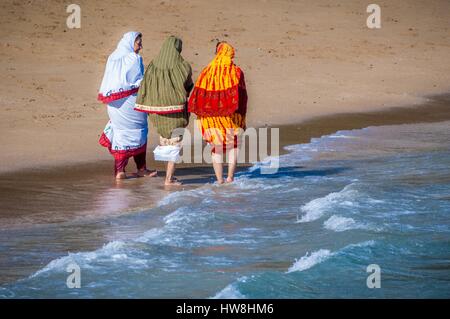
x=165, y=88
x=167, y=81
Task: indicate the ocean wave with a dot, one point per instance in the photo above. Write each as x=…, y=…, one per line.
x=150, y=235
x=180, y=215
x=6, y=293
x=185, y=195
x=367, y=243
x=318, y=207
x=318, y=144
x=244, y=183
x=231, y=291
x=341, y=136
x=83, y=258
x=269, y=165
x=181, y=228
x=186, y=216
x=310, y=260
x=339, y=223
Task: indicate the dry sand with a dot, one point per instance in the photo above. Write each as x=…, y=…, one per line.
x=302, y=59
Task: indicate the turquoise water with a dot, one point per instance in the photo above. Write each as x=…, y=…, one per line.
x=379, y=195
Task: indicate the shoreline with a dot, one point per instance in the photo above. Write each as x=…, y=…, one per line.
x=435, y=108
x=64, y=193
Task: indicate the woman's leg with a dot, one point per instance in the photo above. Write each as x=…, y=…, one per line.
x=170, y=180
x=119, y=168
x=218, y=166
x=232, y=162
x=141, y=165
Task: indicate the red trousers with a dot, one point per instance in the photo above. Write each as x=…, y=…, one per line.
x=120, y=163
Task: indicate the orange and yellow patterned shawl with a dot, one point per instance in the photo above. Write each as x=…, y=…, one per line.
x=220, y=88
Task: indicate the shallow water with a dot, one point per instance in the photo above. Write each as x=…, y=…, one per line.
x=379, y=195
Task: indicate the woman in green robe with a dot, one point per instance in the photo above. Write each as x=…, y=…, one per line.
x=163, y=94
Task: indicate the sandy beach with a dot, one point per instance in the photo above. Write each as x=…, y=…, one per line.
x=312, y=69
x=302, y=60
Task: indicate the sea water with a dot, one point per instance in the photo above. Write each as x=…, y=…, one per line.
x=375, y=196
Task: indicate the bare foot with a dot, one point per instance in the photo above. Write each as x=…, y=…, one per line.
x=147, y=173
x=220, y=181
x=230, y=179
x=121, y=175
x=173, y=182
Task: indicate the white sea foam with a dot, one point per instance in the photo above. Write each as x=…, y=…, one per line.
x=267, y=166
x=367, y=243
x=176, y=226
x=311, y=260
x=178, y=196
x=222, y=241
x=150, y=235
x=171, y=198
x=6, y=293
x=316, y=257
x=253, y=184
x=109, y=250
x=339, y=223
x=341, y=136
x=318, y=207
x=231, y=291
x=178, y=216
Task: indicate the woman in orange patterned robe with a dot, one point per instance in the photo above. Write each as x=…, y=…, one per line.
x=219, y=100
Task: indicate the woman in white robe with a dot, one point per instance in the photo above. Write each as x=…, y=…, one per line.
x=125, y=135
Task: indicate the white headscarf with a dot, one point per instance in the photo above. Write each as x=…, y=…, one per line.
x=124, y=71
